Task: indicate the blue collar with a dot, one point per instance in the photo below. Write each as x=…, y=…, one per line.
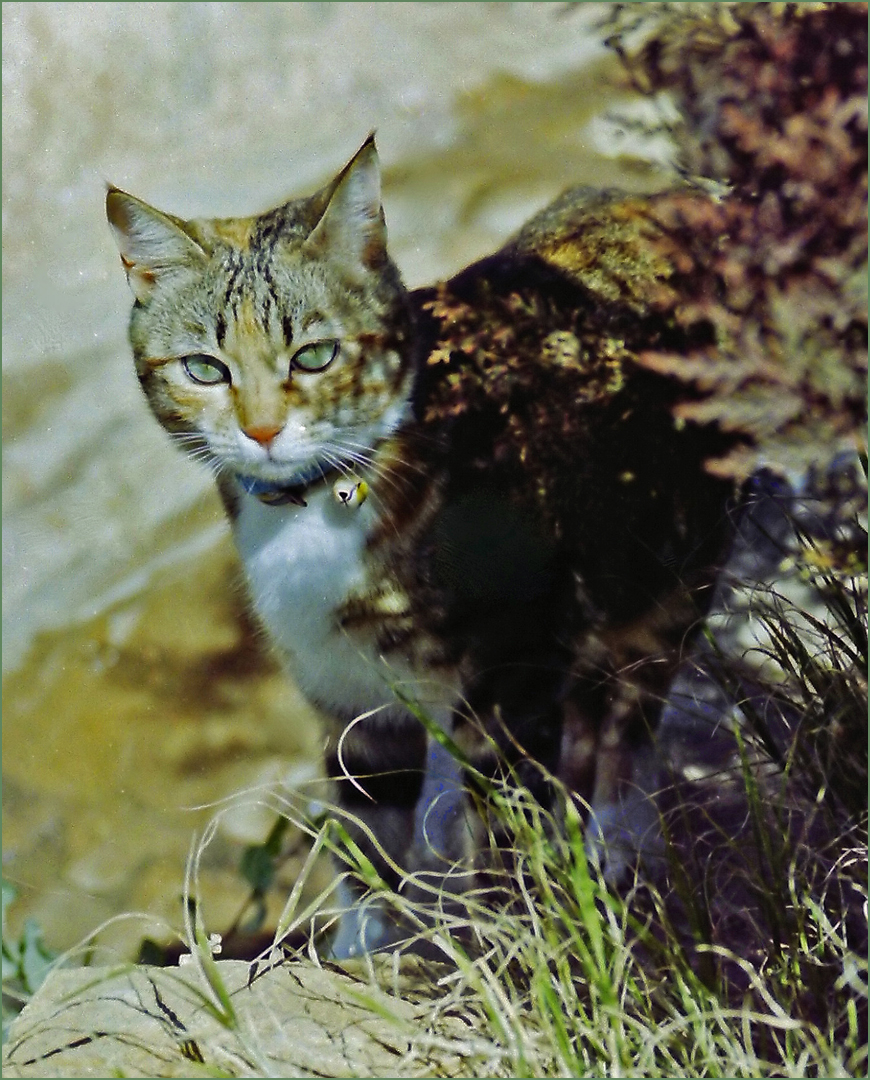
x=273, y=494
x=284, y=493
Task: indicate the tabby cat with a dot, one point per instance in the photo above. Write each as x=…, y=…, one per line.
x=469, y=500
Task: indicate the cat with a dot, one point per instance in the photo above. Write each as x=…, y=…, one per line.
x=468, y=500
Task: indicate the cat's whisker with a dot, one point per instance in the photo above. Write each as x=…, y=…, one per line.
x=200, y=453
x=370, y=461
x=343, y=459
x=189, y=441
x=410, y=466
x=339, y=464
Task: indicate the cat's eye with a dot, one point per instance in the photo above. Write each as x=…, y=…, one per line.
x=206, y=370
x=316, y=356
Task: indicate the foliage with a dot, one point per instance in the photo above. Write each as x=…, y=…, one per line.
x=26, y=962
x=773, y=106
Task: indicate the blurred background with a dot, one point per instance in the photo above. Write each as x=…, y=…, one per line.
x=136, y=696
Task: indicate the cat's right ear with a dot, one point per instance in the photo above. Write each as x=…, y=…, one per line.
x=152, y=244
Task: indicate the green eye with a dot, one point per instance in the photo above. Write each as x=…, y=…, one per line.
x=206, y=370
x=315, y=357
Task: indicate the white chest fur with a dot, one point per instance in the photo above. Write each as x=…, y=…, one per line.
x=302, y=562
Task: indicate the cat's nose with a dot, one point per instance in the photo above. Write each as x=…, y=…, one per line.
x=263, y=434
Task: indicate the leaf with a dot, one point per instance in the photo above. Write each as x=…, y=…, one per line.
x=258, y=864
x=36, y=959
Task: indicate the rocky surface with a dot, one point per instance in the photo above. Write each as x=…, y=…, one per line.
x=295, y=1019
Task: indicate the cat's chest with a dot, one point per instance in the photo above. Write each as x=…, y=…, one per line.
x=305, y=566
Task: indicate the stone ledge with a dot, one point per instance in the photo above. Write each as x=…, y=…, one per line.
x=296, y=1019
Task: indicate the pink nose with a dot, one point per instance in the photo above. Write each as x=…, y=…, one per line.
x=263, y=434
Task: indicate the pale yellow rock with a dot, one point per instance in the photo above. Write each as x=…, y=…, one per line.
x=293, y=1020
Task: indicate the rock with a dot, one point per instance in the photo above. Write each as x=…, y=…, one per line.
x=295, y=1018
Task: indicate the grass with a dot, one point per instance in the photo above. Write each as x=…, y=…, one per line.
x=561, y=977
x=745, y=953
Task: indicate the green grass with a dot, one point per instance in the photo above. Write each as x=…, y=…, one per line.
x=568, y=979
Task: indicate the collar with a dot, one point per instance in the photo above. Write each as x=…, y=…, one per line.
x=287, y=492
x=273, y=494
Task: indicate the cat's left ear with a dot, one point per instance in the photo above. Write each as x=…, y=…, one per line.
x=352, y=226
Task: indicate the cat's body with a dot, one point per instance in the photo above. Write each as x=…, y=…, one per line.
x=468, y=497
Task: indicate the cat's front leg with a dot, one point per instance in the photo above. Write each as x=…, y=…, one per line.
x=438, y=859
x=377, y=767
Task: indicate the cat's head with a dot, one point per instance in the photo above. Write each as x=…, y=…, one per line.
x=276, y=346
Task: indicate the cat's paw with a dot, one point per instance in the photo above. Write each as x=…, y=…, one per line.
x=362, y=929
